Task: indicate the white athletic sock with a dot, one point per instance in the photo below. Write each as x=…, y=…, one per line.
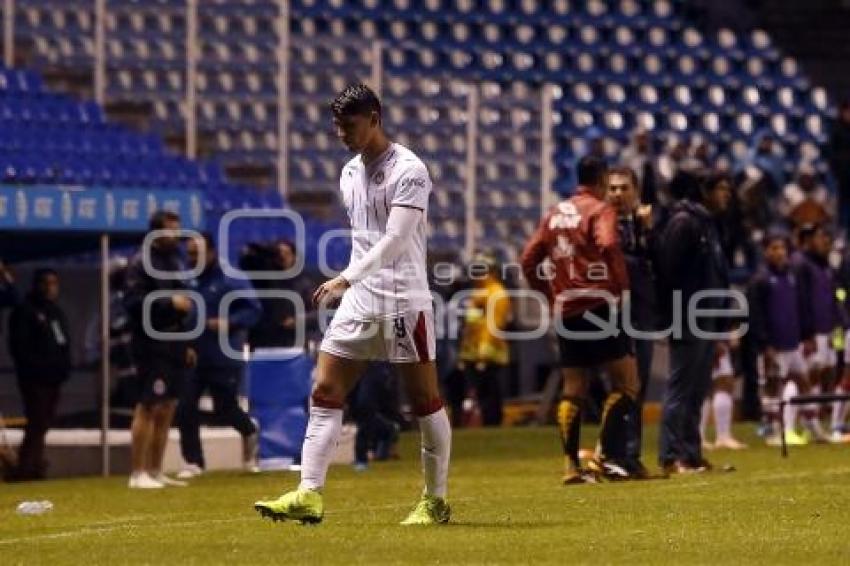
x=323, y=432
x=436, y=447
x=812, y=414
x=703, y=421
x=789, y=417
x=723, y=415
x=839, y=410
x=814, y=408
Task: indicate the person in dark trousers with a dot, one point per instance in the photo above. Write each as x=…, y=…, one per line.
x=579, y=236
x=838, y=152
x=690, y=259
x=160, y=362
x=635, y=226
x=218, y=371
x=39, y=342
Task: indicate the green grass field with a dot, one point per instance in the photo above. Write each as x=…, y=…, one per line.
x=508, y=504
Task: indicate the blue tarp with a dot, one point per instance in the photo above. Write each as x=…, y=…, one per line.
x=278, y=391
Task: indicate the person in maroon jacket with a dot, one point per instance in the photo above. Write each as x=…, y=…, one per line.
x=575, y=260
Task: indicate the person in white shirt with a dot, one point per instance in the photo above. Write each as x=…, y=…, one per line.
x=385, y=313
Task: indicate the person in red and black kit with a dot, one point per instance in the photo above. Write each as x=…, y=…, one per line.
x=39, y=342
x=588, y=276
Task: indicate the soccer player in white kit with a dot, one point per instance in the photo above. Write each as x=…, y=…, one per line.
x=385, y=313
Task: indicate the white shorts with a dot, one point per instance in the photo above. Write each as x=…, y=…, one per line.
x=723, y=367
x=787, y=363
x=403, y=339
x=824, y=356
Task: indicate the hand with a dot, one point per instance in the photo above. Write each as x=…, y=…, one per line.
x=217, y=324
x=735, y=341
x=330, y=291
x=5, y=274
x=644, y=215
x=809, y=347
x=191, y=358
x=181, y=302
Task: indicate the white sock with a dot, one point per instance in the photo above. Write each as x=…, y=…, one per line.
x=814, y=408
x=789, y=417
x=839, y=410
x=723, y=414
x=323, y=432
x=436, y=447
x=703, y=421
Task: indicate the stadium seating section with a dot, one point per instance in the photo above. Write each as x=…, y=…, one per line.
x=616, y=64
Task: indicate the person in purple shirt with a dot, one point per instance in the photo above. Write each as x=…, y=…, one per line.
x=781, y=329
x=818, y=282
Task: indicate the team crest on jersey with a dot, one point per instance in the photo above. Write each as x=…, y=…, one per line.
x=379, y=177
x=567, y=217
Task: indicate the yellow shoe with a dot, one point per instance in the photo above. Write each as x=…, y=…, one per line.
x=303, y=505
x=429, y=511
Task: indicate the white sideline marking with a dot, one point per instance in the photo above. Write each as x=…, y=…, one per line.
x=135, y=522
x=118, y=526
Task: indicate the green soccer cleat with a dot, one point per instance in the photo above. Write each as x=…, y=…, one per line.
x=429, y=511
x=302, y=505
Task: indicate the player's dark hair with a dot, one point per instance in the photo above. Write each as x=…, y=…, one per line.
x=709, y=180
x=160, y=217
x=684, y=185
x=356, y=100
x=774, y=235
x=590, y=171
x=39, y=275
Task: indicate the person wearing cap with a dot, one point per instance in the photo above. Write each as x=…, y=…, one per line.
x=484, y=355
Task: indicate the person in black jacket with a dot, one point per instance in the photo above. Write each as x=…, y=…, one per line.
x=160, y=362
x=690, y=259
x=636, y=230
x=39, y=342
